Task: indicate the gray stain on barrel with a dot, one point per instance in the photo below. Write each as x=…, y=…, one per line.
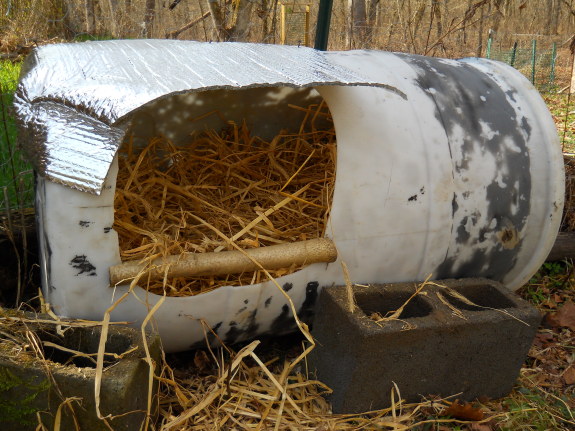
x=456, y=92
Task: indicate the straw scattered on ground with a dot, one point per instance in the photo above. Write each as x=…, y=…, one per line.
x=265, y=388
x=173, y=199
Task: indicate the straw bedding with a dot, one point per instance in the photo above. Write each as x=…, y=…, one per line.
x=224, y=187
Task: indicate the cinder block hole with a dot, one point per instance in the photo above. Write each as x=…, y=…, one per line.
x=386, y=303
x=484, y=296
x=84, y=340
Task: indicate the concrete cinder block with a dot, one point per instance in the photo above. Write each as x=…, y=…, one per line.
x=29, y=386
x=429, y=350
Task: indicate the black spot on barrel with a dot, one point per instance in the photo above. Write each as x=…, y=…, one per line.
x=412, y=198
x=242, y=309
x=232, y=335
x=462, y=233
x=454, y=205
x=252, y=326
x=84, y=223
x=268, y=302
x=287, y=287
x=107, y=229
x=211, y=336
x=81, y=263
x=526, y=126
x=246, y=301
x=284, y=322
x=307, y=308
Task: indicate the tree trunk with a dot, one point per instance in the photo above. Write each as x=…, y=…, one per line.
x=113, y=5
x=555, y=12
x=90, y=16
x=358, y=15
x=372, y=21
x=480, y=33
x=437, y=18
x=217, y=19
x=564, y=247
x=236, y=27
x=149, y=16
x=572, y=86
x=240, y=29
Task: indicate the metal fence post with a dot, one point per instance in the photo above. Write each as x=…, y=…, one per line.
x=533, y=60
x=553, y=59
x=513, y=54
x=323, y=20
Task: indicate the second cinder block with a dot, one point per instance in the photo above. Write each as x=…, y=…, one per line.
x=440, y=344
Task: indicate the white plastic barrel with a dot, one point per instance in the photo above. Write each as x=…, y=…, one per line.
x=449, y=168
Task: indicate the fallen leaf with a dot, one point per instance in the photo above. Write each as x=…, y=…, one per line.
x=549, y=304
x=464, y=412
x=569, y=375
x=564, y=317
x=480, y=427
x=543, y=339
x=201, y=360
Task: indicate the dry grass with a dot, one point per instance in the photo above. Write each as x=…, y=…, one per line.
x=224, y=188
x=245, y=390
x=267, y=387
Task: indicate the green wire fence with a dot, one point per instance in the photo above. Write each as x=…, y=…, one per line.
x=535, y=62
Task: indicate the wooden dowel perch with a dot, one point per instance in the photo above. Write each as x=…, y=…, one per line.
x=228, y=262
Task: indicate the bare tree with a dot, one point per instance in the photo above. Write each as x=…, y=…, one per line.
x=358, y=16
x=113, y=5
x=149, y=16
x=233, y=24
x=553, y=11
x=90, y=16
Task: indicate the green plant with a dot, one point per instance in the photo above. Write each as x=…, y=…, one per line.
x=561, y=107
x=22, y=410
x=11, y=163
x=534, y=409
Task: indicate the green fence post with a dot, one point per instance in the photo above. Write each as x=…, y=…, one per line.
x=553, y=58
x=533, y=57
x=323, y=20
x=489, y=42
x=513, y=54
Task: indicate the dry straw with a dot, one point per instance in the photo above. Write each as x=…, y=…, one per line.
x=241, y=390
x=257, y=193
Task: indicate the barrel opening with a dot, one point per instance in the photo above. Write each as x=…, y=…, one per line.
x=479, y=297
x=386, y=303
x=196, y=170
